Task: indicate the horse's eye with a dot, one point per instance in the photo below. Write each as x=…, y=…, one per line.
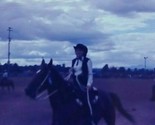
x=50, y=81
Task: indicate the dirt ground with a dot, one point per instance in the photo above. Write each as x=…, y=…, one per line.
x=18, y=109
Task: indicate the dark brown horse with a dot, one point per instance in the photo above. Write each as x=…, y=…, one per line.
x=66, y=111
x=153, y=93
x=7, y=83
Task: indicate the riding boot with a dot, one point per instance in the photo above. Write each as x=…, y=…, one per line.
x=92, y=120
x=90, y=109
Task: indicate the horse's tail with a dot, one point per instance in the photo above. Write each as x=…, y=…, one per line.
x=117, y=103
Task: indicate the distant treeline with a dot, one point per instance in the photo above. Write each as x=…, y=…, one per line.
x=122, y=72
x=16, y=70
x=105, y=72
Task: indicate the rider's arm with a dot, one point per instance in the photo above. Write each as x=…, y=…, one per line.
x=90, y=73
x=69, y=75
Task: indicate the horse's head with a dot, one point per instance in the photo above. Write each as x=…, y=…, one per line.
x=40, y=81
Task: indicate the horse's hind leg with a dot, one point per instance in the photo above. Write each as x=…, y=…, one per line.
x=110, y=118
x=107, y=109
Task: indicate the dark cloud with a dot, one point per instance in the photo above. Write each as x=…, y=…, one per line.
x=125, y=7
x=41, y=21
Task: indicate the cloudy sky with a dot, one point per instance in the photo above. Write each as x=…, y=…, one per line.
x=117, y=32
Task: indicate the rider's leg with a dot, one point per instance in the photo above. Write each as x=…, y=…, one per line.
x=91, y=117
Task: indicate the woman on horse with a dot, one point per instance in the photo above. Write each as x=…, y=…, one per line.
x=81, y=70
x=82, y=74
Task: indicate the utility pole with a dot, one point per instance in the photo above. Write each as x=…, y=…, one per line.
x=145, y=58
x=9, y=41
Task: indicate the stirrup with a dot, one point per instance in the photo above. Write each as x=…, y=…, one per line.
x=79, y=101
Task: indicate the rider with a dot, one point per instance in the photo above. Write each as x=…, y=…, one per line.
x=82, y=74
x=4, y=76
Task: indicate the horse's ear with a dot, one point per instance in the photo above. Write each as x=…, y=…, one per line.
x=43, y=63
x=51, y=62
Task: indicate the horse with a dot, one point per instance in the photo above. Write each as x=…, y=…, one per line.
x=153, y=94
x=7, y=83
x=66, y=111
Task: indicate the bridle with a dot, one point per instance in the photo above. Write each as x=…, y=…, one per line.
x=42, y=96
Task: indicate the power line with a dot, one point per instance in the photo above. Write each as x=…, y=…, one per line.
x=145, y=58
x=9, y=41
x=9, y=53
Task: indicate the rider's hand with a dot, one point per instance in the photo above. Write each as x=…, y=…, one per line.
x=67, y=77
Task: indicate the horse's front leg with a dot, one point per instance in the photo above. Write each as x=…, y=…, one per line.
x=61, y=119
x=58, y=118
x=55, y=119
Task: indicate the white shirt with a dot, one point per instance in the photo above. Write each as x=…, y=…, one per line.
x=78, y=70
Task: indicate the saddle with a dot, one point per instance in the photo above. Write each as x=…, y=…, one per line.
x=90, y=100
x=80, y=95
x=85, y=98
x=91, y=96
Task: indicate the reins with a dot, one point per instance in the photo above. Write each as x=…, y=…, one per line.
x=42, y=95
x=42, y=83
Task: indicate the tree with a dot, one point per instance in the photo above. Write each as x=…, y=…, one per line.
x=105, y=71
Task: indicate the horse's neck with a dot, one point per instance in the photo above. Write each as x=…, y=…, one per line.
x=57, y=101
x=64, y=93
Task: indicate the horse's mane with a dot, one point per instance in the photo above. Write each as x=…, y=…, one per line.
x=57, y=75
x=64, y=85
